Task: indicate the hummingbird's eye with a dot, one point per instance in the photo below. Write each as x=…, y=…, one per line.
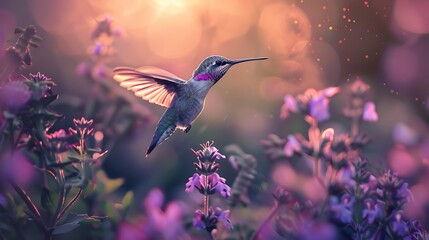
x=216, y=63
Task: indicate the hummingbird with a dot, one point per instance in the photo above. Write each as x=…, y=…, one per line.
x=184, y=99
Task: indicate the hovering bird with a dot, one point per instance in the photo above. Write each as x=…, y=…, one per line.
x=184, y=99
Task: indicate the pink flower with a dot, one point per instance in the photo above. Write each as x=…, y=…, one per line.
x=291, y=146
x=369, y=113
x=289, y=105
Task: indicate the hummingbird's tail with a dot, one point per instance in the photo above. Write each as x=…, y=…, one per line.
x=161, y=134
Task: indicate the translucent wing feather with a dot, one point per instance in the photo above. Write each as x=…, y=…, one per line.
x=150, y=83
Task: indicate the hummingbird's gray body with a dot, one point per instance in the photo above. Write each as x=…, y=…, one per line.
x=184, y=99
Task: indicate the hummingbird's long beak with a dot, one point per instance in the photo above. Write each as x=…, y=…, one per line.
x=247, y=60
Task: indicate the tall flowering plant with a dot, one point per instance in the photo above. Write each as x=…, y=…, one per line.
x=59, y=162
x=208, y=182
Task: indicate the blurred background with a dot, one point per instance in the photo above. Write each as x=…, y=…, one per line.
x=310, y=44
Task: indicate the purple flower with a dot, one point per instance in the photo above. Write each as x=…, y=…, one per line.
x=193, y=182
x=319, y=108
x=291, y=146
x=371, y=184
x=404, y=192
x=289, y=105
x=209, y=222
x=399, y=226
x=219, y=184
x=343, y=209
x=209, y=153
x=198, y=220
x=16, y=167
x=215, y=184
x=14, y=95
x=369, y=114
x=165, y=223
x=371, y=210
x=223, y=217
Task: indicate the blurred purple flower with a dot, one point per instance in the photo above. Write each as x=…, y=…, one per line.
x=83, y=69
x=399, y=226
x=405, y=134
x=370, y=185
x=371, y=210
x=17, y=167
x=14, y=95
x=345, y=176
x=309, y=229
x=97, y=49
x=343, y=209
x=404, y=192
x=359, y=87
x=289, y=105
x=319, y=108
x=291, y=146
x=369, y=114
x=100, y=72
x=162, y=223
x=130, y=231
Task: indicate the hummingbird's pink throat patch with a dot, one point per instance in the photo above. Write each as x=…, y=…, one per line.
x=203, y=77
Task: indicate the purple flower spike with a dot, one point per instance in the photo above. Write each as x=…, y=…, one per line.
x=369, y=113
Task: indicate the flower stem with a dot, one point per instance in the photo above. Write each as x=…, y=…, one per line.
x=272, y=213
x=206, y=198
x=354, y=127
x=69, y=205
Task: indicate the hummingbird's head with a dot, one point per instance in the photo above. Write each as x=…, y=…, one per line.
x=214, y=67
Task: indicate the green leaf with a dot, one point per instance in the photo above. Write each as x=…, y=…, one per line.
x=127, y=199
x=89, y=187
x=73, y=221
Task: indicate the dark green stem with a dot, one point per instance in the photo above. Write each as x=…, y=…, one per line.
x=31, y=206
x=69, y=205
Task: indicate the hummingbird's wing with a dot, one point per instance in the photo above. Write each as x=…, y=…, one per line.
x=150, y=83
